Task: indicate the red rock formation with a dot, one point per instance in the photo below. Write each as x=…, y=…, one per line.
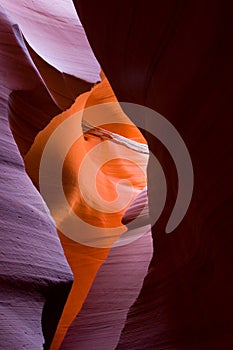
x=176, y=58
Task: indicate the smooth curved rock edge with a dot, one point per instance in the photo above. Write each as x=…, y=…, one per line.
x=33, y=267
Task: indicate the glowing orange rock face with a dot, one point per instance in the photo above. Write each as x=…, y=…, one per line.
x=85, y=259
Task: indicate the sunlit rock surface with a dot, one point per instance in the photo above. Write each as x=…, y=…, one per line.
x=87, y=243
x=53, y=30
